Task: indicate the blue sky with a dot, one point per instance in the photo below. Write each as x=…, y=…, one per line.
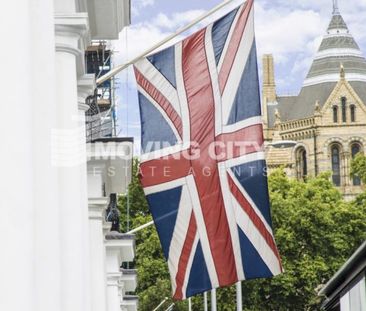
x=289, y=29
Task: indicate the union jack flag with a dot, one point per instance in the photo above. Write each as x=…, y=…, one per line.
x=204, y=175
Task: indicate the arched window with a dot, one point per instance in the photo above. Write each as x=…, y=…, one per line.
x=335, y=114
x=301, y=163
x=336, y=165
x=344, y=109
x=355, y=148
x=353, y=113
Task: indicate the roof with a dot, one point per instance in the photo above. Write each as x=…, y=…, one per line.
x=337, y=48
x=340, y=42
x=331, y=65
x=337, y=22
x=303, y=105
x=355, y=265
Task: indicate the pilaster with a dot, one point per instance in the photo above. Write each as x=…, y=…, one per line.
x=69, y=147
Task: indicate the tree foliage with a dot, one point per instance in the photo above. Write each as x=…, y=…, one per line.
x=315, y=229
x=358, y=167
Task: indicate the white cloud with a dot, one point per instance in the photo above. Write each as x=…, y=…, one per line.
x=177, y=19
x=138, y=5
x=284, y=33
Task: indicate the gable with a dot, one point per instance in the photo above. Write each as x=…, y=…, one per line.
x=343, y=89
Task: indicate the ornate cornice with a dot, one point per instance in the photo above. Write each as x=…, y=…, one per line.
x=72, y=36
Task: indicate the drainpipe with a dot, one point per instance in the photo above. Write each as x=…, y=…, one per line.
x=316, y=153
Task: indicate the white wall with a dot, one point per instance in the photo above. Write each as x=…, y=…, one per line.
x=29, y=234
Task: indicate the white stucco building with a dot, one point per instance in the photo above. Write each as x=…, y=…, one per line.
x=57, y=251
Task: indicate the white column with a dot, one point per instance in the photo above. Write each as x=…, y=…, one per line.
x=29, y=261
x=65, y=6
x=113, y=295
x=86, y=86
x=97, y=254
x=119, y=248
x=70, y=158
x=113, y=262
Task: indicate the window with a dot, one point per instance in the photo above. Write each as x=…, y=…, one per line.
x=355, y=298
x=356, y=149
x=335, y=114
x=353, y=113
x=301, y=164
x=336, y=165
x=344, y=109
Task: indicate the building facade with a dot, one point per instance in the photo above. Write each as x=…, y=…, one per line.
x=58, y=250
x=327, y=119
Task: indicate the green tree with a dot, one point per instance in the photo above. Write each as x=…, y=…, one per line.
x=358, y=167
x=315, y=229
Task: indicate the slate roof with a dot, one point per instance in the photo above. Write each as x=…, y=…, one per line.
x=303, y=105
x=339, y=42
x=337, y=22
x=340, y=39
x=331, y=65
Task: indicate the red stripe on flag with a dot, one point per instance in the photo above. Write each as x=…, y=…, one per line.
x=234, y=45
x=240, y=143
x=248, y=209
x=184, y=257
x=161, y=100
x=201, y=106
x=165, y=169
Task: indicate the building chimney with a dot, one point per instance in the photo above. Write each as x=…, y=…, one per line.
x=269, y=90
x=269, y=84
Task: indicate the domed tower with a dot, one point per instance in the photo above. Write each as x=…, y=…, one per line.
x=327, y=119
x=338, y=47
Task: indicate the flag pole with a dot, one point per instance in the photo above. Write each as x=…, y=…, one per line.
x=189, y=304
x=213, y=300
x=161, y=303
x=118, y=69
x=205, y=304
x=239, y=297
x=141, y=227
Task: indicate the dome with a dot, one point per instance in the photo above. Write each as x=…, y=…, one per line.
x=338, y=47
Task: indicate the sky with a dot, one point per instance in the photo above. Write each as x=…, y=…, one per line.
x=291, y=30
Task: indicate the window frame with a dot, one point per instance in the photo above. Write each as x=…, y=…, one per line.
x=301, y=163
x=356, y=180
x=352, y=109
x=335, y=114
x=344, y=109
x=336, y=166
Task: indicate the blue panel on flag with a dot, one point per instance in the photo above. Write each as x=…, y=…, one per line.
x=164, y=208
x=199, y=280
x=220, y=31
x=247, y=100
x=253, y=179
x=152, y=118
x=254, y=266
x=164, y=61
